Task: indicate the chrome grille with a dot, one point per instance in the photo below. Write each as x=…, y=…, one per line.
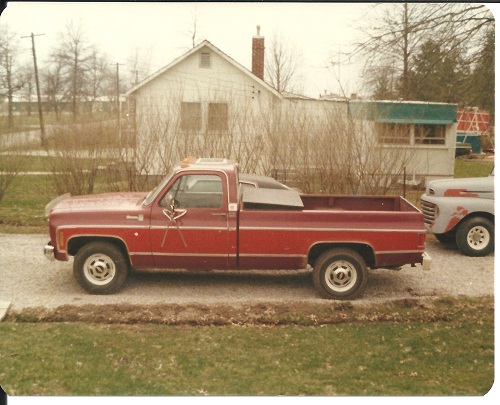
x=429, y=210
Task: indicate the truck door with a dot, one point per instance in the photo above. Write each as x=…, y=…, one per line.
x=189, y=223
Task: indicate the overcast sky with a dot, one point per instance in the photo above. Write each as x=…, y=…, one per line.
x=161, y=31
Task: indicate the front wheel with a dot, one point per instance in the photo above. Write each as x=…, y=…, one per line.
x=476, y=237
x=100, y=268
x=340, y=274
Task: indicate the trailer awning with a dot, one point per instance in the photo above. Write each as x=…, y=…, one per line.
x=404, y=112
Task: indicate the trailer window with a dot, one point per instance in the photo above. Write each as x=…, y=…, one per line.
x=430, y=134
x=389, y=133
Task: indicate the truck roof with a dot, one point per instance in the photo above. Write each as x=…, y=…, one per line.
x=212, y=163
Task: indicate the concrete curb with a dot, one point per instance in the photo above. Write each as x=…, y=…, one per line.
x=4, y=307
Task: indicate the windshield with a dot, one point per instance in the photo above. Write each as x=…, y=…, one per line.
x=153, y=193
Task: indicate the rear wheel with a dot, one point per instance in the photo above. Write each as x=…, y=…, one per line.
x=340, y=274
x=476, y=237
x=100, y=268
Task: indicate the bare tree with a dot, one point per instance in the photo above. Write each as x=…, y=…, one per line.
x=138, y=65
x=75, y=53
x=194, y=28
x=54, y=84
x=100, y=76
x=282, y=64
x=9, y=166
x=79, y=150
x=398, y=33
x=11, y=81
x=28, y=78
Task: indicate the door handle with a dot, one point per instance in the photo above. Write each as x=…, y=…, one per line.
x=219, y=214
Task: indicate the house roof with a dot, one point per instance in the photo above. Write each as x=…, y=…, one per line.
x=216, y=50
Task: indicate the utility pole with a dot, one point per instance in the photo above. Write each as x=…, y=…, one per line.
x=40, y=110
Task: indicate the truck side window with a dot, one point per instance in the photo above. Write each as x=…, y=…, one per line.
x=195, y=191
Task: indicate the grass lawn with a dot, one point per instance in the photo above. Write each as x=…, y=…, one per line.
x=23, y=205
x=431, y=354
x=472, y=168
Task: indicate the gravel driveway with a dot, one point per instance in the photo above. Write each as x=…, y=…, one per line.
x=28, y=279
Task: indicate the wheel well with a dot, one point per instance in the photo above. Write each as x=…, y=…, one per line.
x=76, y=243
x=366, y=251
x=477, y=214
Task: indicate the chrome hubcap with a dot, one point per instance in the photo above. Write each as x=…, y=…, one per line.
x=99, y=269
x=341, y=275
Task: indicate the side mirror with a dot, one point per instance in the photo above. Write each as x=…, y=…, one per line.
x=171, y=207
x=171, y=204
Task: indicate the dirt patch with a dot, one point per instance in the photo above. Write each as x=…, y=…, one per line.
x=299, y=313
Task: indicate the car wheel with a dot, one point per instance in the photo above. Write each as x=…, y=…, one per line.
x=100, y=268
x=340, y=274
x=476, y=237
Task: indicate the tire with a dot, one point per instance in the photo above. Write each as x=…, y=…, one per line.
x=476, y=237
x=340, y=274
x=447, y=238
x=100, y=268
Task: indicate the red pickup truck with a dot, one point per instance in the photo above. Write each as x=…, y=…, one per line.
x=205, y=215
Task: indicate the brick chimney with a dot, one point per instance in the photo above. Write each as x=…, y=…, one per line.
x=258, y=55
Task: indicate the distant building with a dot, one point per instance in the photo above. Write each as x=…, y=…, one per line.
x=473, y=127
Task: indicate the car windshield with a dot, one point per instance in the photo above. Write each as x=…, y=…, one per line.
x=153, y=193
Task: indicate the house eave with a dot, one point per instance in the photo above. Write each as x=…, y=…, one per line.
x=205, y=43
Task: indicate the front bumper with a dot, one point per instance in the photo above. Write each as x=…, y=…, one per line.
x=48, y=251
x=426, y=261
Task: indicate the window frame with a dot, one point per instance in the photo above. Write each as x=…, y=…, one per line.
x=181, y=185
x=384, y=128
x=430, y=134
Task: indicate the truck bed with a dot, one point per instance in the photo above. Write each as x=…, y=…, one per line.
x=356, y=203
x=266, y=199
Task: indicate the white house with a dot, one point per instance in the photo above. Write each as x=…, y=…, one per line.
x=206, y=104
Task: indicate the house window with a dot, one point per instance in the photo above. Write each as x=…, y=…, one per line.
x=205, y=61
x=430, y=134
x=389, y=133
x=217, y=117
x=191, y=116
